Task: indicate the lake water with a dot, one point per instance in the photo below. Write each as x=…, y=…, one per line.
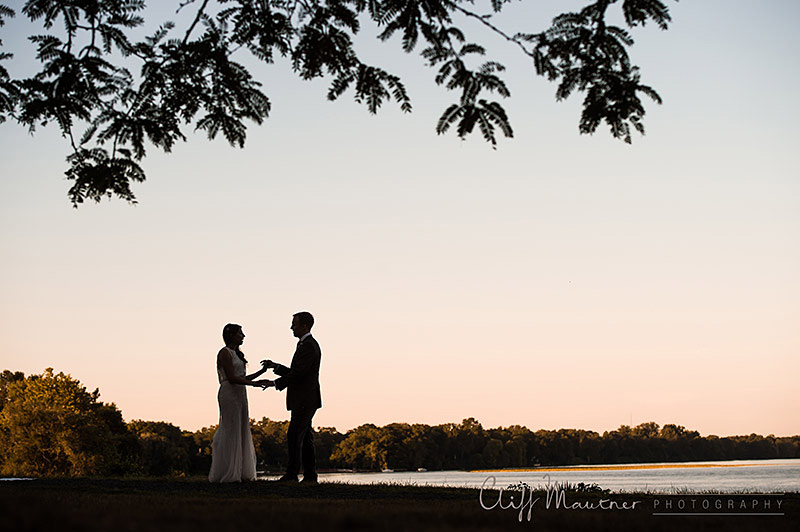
x=754, y=476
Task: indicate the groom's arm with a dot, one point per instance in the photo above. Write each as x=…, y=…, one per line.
x=302, y=364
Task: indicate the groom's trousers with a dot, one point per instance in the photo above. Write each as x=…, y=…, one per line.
x=300, y=438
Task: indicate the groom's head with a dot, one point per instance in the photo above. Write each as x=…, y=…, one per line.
x=302, y=323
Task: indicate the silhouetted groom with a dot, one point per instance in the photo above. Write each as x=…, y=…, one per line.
x=303, y=398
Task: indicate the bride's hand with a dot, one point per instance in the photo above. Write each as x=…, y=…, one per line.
x=266, y=383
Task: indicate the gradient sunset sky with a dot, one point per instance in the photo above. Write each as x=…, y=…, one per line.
x=560, y=281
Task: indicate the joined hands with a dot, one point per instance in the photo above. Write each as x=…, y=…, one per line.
x=264, y=384
x=265, y=366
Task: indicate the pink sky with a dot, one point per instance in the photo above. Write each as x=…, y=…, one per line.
x=558, y=282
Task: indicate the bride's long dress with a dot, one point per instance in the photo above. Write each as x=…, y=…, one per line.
x=233, y=457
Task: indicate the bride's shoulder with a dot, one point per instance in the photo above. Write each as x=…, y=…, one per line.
x=224, y=353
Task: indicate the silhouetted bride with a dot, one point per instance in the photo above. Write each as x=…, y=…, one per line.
x=233, y=457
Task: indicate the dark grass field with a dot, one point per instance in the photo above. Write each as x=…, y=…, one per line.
x=197, y=506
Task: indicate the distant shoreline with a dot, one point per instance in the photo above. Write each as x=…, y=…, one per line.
x=610, y=467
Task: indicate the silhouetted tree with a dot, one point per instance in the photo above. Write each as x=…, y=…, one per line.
x=325, y=441
x=427, y=446
x=756, y=447
x=51, y=426
x=469, y=440
x=165, y=449
x=359, y=449
x=201, y=457
x=7, y=378
x=788, y=448
x=269, y=439
x=123, y=92
x=646, y=430
x=492, y=454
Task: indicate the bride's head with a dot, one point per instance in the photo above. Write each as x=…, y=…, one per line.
x=233, y=336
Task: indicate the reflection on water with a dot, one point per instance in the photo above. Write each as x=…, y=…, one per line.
x=755, y=476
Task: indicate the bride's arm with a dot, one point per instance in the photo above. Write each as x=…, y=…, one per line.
x=224, y=360
x=256, y=374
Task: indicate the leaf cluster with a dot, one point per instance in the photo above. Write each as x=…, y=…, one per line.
x=9, y=93
x=586, y=54
x=113, y=95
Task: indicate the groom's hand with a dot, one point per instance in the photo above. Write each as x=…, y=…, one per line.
x=268, y=364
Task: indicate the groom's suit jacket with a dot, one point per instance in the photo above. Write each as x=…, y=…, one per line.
x=301, y=379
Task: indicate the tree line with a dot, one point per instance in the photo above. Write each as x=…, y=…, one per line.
x=50, y=425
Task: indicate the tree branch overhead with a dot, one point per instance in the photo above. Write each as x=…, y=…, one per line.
x=87, y=54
